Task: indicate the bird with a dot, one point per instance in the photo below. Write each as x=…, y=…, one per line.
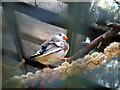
x=52, y=50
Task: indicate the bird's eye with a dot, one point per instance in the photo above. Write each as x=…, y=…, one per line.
x=59, y=34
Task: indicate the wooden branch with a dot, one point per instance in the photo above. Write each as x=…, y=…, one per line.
x=98, y=41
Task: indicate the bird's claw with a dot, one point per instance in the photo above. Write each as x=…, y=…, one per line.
x=47, y=66
x=64, y=59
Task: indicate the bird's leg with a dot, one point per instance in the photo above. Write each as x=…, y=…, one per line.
x=64, y=59
x=47, y=66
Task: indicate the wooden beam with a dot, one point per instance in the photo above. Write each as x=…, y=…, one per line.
x=38, y=13
x=54, y=19
x=13, y=29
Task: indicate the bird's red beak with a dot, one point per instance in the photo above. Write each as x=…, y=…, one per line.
x=65, y=38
